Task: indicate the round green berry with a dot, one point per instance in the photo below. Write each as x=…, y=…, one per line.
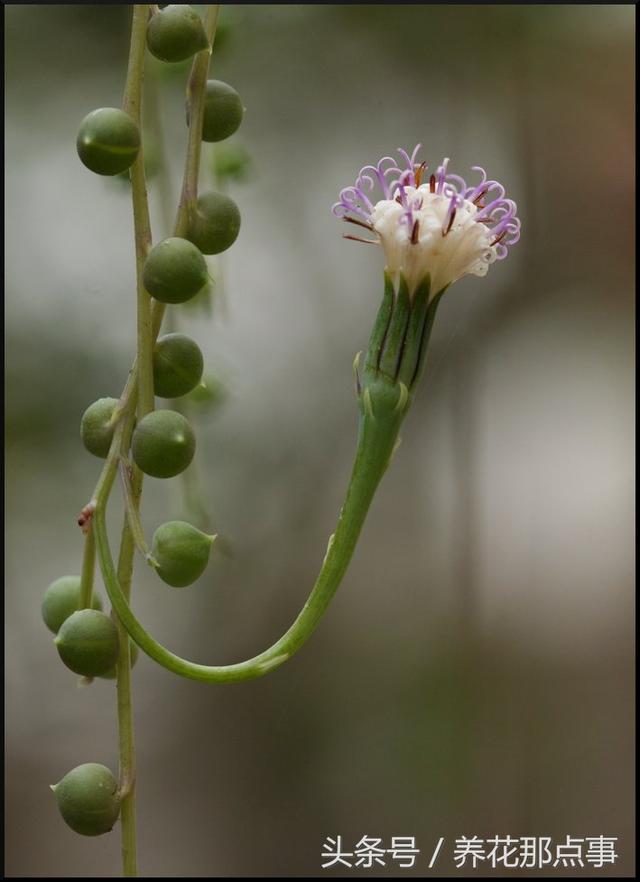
x=223, y=111
x=87, y=643
x=176, y=33
x=97, y=428
x=133, y=654
x=108, y=141
x=177, y=365
x=62, y=598
x=231, y=162
x=163, y=444
x=175, y=271
x=182, y=552
x=88, y=799
x=208, y=394
x=214, y=224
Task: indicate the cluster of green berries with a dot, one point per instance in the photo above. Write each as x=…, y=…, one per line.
x=109, y=142
x=163, y=442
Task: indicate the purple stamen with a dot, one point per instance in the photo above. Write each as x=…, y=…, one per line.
x=394, y=179
x=441, y=174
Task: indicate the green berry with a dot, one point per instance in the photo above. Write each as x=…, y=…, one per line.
x=133, y=651
x=214, y=224
x=62, y=598
x=87, y=643
x=177, y=365
x=108, y=141
x=176, y=33
x=88, y=799
x=97, y=428
x=208, y=394
x=175, y=271
x=182, y=552
x=163, y=444
x=231, y=162
x=223, y=111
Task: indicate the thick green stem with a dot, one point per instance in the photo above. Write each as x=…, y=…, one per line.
x=377, y=437
x=396, y=349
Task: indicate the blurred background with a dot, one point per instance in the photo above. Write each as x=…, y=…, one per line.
x=474, y=674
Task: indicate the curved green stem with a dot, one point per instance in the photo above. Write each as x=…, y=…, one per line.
x=396, y=353
x=377, y=437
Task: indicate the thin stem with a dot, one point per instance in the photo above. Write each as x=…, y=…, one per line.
x=88, y=569
x=126, y=736
x=131, y=504
x=138, y=391
x=132, y=104
x=196, y=92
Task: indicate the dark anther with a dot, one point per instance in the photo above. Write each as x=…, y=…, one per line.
x=450, y=224
x=358, y=239
x=420, y=172
x=414, y=232
x=432, y=184
x=499, y=238
x=352, y=220
x=480, y=196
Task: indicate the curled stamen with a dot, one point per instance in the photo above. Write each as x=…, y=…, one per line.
x=432, y=223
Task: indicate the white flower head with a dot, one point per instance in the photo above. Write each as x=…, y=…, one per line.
x=441, y=227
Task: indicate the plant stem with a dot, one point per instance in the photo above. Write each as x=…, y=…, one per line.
x=132, y=104
x=126, y=737
x=196, y=92
x=88, y=568
x=377, y=438
x=138, y=391
x=396, y=353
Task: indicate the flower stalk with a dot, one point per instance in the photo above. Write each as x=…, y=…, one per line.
x=392, y=369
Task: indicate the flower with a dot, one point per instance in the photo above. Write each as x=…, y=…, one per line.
x=441, y=227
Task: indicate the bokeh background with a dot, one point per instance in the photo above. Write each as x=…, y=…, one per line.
x=474, y=675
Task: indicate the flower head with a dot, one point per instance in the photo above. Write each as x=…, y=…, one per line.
x=430, y=223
